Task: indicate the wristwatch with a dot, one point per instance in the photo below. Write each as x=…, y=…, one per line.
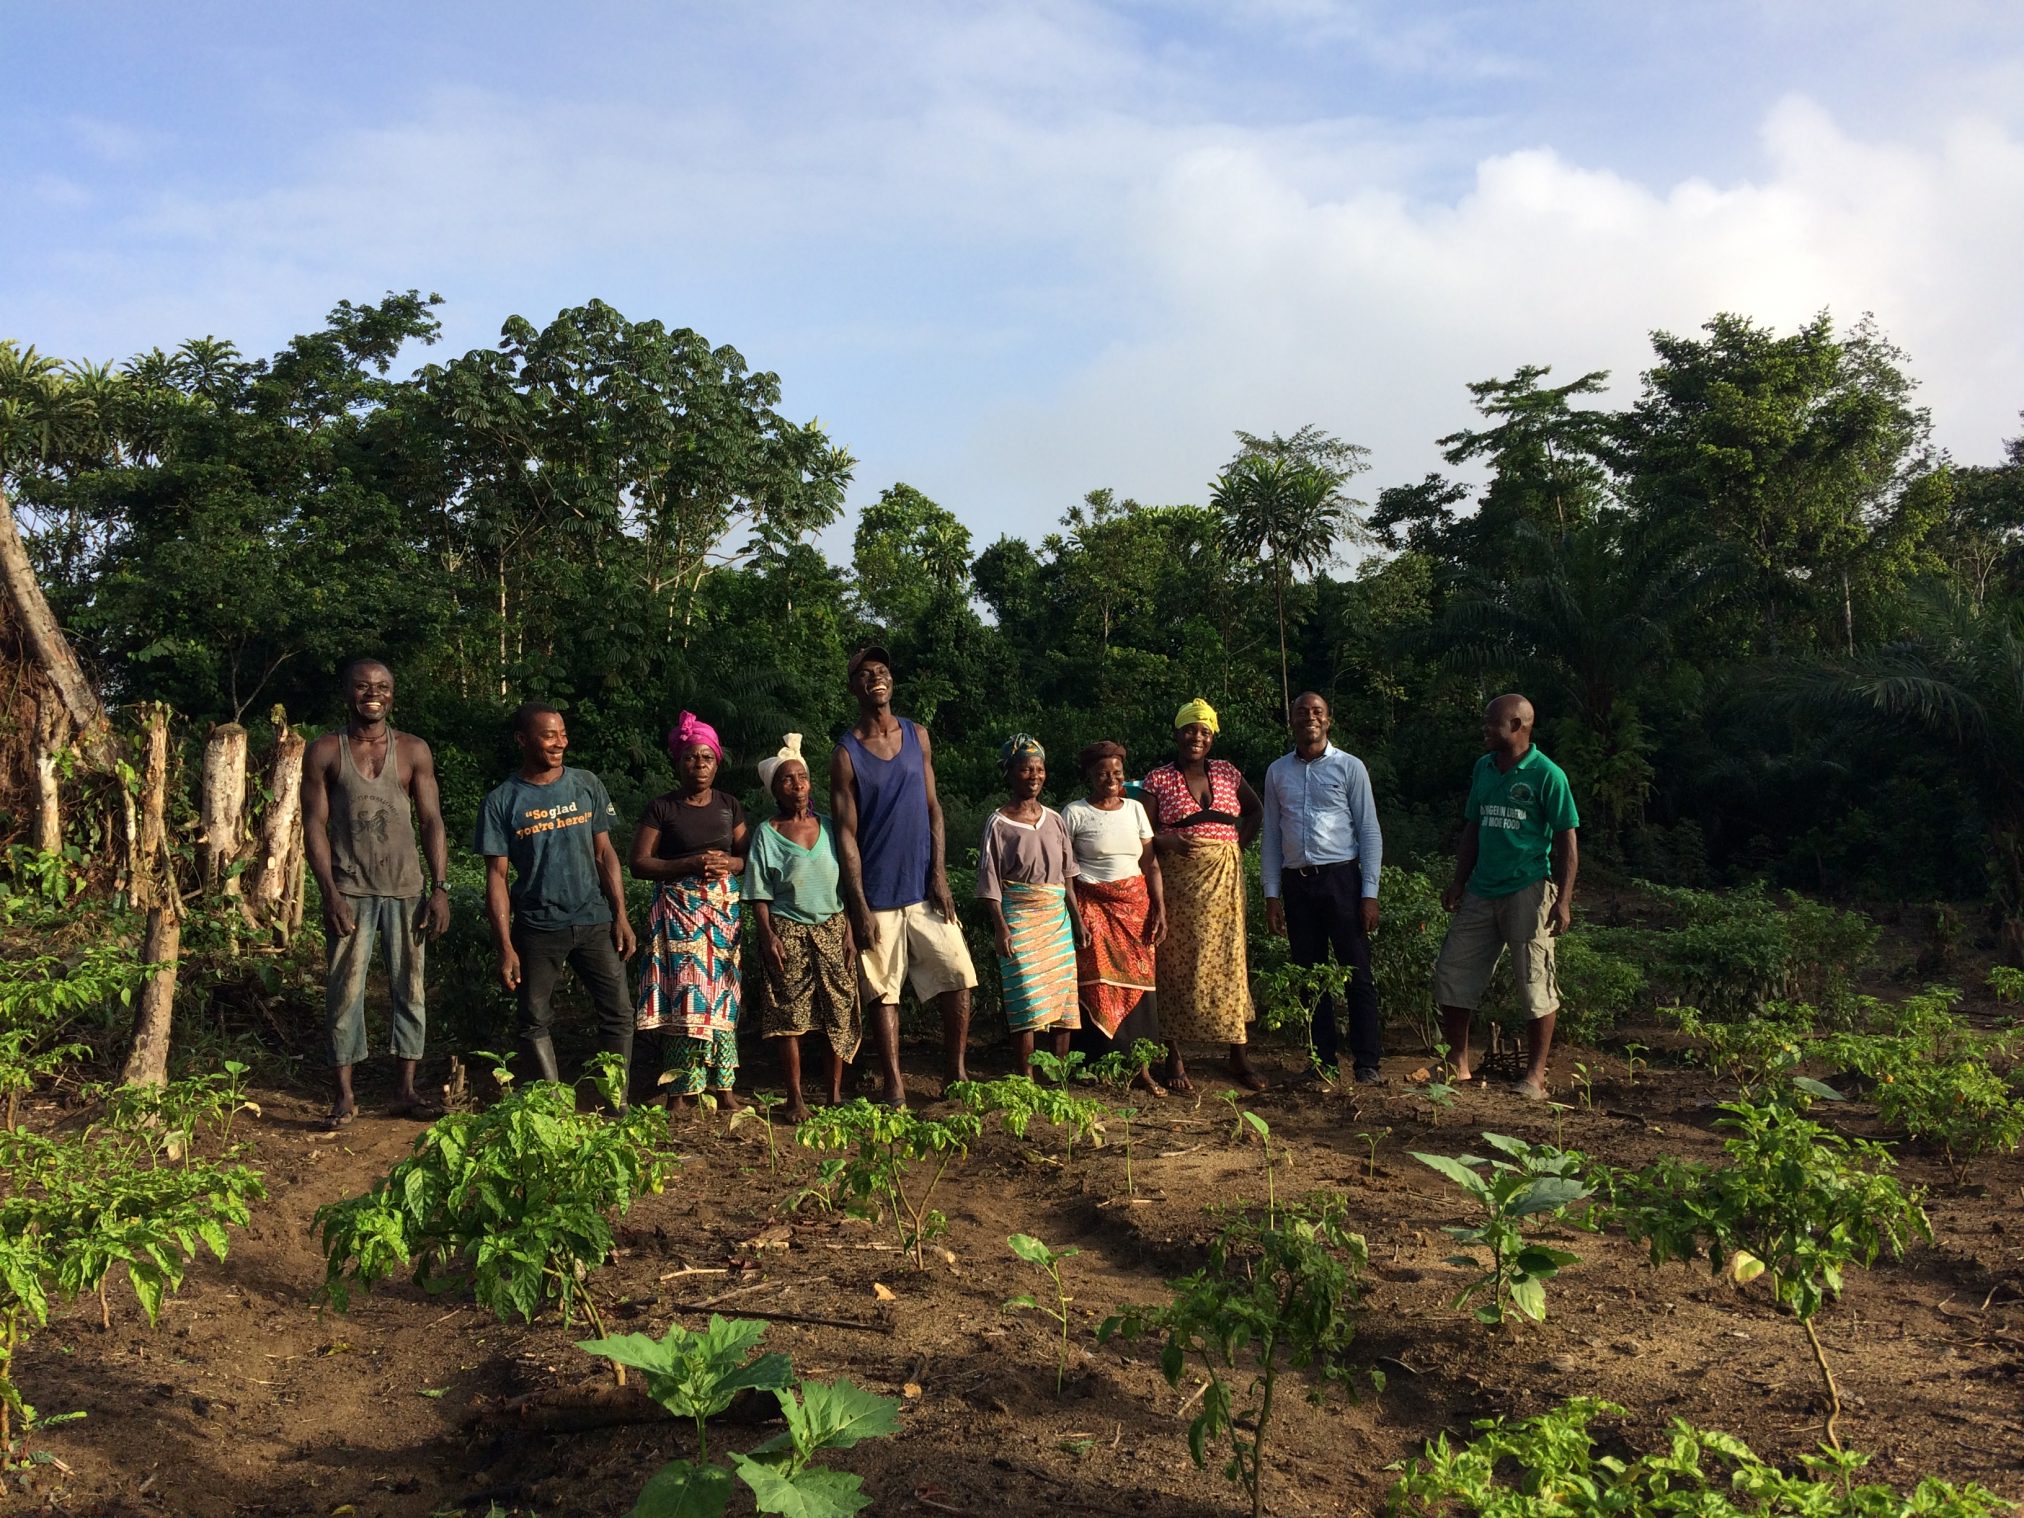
x=441, y=885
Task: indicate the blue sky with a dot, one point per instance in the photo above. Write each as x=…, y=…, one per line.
x=1009, y=253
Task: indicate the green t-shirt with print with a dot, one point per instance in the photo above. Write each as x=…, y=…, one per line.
x=1517, y=812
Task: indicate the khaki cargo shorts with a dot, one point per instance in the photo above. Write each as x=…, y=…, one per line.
x=916, y=946
x=1481, y=929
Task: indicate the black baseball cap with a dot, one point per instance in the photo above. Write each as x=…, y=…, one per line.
x=876, y=651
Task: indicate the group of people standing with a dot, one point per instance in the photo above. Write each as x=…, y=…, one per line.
x=1118, y=918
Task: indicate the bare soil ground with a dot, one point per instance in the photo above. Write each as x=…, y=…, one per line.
x=247, y=1400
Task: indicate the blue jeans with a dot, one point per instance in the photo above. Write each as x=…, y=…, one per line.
x=389, y=922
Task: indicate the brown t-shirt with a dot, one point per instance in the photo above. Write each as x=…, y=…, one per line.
x=686, y=829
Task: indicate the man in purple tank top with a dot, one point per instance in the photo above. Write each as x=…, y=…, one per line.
x=888, y=825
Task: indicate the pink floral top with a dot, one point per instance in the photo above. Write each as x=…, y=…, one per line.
x=1171, y=802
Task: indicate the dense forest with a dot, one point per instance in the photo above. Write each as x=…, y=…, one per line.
x=1773, y=632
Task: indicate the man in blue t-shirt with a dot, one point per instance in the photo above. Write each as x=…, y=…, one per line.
x=566, y=903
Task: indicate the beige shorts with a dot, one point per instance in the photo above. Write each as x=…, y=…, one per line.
x=917, y=946
x=1481, y=929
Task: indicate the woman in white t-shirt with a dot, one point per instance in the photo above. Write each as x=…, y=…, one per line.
x=1117, y=886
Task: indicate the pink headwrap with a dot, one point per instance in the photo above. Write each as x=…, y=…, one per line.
x=690, y=728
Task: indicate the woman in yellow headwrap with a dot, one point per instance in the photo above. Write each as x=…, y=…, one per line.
x=1204, y=811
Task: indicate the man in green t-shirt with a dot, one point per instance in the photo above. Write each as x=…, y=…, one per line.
x=1513, y=887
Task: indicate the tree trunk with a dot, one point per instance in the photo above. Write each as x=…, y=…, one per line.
x=54, y=658
x=154, y=887
x=52, y=728
x=223, y=805
x=273, y=871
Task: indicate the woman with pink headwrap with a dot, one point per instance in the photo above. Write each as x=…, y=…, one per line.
x=691, y=844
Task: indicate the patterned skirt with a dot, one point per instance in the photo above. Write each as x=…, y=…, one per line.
x=816, y=986
x=1205, y=986
x=1038, y=980
x=1116, y=970
x=689, y=984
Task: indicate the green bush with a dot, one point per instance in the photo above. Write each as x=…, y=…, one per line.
x=515, y=1200
x=1549, y=1467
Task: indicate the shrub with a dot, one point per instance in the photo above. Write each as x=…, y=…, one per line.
x=891, y=1161
x=515, y=1201
x=1533, y=1180
x=1549, y=1465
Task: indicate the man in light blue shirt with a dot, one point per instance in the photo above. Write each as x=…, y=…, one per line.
x=1322, y=853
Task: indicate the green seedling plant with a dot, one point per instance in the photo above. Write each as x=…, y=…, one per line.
x=1062, y=1069
x=893, y=1161
x=1795, y=1202
x=514, y=1202
x=1549, y=1465
x=1286, y=997
x=73, y=1212
x=1584, y=1083
x=2006, y=983
x=1246, y=1124
x=1531, y=1181
x=759, y=1109
x=1268, y=1299
x=1018, y=1100
x=1438, y=1092
x=1033, y=1252
x=695, y=1374
x=1370, y=1140
x=1634, y=1065
x=40, y=996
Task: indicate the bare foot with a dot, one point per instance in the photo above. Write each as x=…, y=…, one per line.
x=796, y=1112
x=727, y=1101
x=1245, y=1076
x=1144, y=1081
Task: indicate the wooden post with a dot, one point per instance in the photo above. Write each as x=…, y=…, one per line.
x=52, y=729
x=48, y=647
x=273, y=871
x=223, y=806
x=154, y=887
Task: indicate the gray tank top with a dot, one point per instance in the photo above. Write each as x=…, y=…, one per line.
x=372, y=829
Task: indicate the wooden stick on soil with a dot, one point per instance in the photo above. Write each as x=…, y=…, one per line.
x=813, y=1319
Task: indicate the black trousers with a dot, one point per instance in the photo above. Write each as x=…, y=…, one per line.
x=588, y=950
x=1324, y=915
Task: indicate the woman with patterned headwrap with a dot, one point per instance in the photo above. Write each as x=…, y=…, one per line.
x=808, y=963
x=1205, y=812
x=691, y=844
x=1025, y=868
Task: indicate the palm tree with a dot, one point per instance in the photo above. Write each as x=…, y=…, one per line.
x=1287, y=513
x=1958, y=682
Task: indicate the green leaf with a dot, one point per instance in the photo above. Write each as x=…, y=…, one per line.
x=812, y=1493
x=1819, y=1089
x=1528, y=1295
x=1547, y=1194
x=841, y=1413
x=1030, y=1249
x=1024, y=1299
x=1457, y=1172
x=684, y=1489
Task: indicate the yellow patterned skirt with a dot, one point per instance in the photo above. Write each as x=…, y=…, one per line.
x=1204, y=982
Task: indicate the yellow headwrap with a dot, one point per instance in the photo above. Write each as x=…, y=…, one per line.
x=791, y=749
x=1200, y=711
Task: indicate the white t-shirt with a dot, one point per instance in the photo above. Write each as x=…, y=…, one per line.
x=1107, y=845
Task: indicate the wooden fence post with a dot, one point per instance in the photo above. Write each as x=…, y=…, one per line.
x=154, y=887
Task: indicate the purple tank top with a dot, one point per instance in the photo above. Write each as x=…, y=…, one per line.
x=892, y=821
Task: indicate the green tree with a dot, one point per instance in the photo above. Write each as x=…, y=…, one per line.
x=1284, y=507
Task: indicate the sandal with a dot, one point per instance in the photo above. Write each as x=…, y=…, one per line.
x=1531, y=1091
x=335, y=1121
x=420, y=1110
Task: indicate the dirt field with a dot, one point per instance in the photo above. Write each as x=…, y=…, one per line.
x=247, y=1400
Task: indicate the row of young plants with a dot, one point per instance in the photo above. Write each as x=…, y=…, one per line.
x=1935, y=1077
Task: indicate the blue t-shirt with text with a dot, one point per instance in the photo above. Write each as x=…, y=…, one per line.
x=548, y=834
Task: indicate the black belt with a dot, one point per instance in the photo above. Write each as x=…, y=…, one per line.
x=1311, y=871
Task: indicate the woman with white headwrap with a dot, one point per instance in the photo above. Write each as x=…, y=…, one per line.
x=807, y=957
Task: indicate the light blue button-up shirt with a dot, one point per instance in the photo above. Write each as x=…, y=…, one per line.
x=1320, y=811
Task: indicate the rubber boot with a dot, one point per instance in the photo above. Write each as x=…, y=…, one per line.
x=540, y=1051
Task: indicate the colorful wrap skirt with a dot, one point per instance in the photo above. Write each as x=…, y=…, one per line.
x=690, y=983
x=1204, y=984
x=816, y=986
x=1038, y=981
x=1116, y=970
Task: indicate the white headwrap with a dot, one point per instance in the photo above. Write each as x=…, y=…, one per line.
x=791, y=749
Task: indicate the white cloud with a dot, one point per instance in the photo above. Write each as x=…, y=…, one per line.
x=1271, y=304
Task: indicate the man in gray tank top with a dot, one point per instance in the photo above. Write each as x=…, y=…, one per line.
x=363, y=789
